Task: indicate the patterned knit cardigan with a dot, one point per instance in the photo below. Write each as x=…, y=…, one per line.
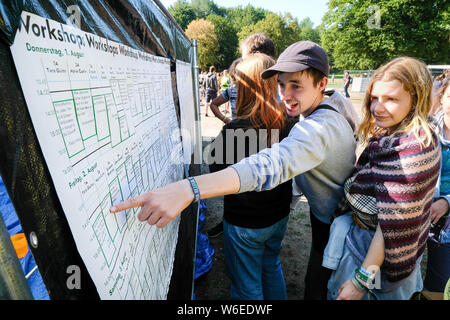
x=401, y=175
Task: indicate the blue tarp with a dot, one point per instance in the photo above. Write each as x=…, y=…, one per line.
x=28, y=264
x=205, y=251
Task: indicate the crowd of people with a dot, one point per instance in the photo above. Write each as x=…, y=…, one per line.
x=371, y=216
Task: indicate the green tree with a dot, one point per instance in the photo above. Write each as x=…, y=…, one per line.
x=183, y=13
x=282, y=29
x=204, y=8
x=361, y=36
x=308, y=32
x=245, y=16
x=227, y=40
x=207, y=44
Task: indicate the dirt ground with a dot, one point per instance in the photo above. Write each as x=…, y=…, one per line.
x=215, y=285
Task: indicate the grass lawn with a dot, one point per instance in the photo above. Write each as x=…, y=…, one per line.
x=355, y=97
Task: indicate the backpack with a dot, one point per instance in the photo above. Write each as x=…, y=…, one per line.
x=211, y=82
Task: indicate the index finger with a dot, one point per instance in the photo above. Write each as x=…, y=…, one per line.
x=435, y=218
x=127, y=204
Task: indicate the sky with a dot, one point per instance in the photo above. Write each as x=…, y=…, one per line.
x=314, y=9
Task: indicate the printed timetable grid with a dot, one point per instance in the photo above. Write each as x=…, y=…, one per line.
x=98, y=108
x=108, y=131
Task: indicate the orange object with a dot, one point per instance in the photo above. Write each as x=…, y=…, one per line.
x=20, y=244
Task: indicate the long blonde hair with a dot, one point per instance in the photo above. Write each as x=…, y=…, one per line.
x=256, y=97
x=417, y=81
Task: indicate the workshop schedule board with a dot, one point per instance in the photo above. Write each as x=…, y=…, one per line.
x=105, y=119
x=187, y=108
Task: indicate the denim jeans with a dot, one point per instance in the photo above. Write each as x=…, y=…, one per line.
x=346, y=92
x=346, y=271
x=336, y=242
x=252, y=258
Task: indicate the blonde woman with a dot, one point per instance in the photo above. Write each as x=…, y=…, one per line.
x=376, y=247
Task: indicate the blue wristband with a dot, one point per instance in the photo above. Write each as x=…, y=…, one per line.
x=195, y=189
x=365, y=277
x=370, y=276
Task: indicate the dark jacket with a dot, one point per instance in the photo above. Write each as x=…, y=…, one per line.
x=211, y=82
x=250, y=209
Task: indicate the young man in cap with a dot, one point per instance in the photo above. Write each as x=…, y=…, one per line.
x=323, y=143
x=319, y=152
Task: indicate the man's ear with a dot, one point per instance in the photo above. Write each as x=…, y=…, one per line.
x=323, y=84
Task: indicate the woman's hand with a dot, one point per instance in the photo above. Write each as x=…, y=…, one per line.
x=348, y=291
x=438, y=209
x=160, y=206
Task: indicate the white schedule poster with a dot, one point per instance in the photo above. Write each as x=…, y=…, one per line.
x=187, y=108
x=105, y=119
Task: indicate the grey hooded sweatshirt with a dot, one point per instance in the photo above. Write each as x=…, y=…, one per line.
x=319, y=152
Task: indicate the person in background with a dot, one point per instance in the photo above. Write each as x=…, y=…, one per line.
x=228, y=95
x=437, y=83
x=347, y=81
x=225, y=83
x=212, y=87
x=201, y=80
x=257, y=43
x=254, y=222
x=219, y=80
x=447, y=76
x=438, y=244
x=375, y=248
